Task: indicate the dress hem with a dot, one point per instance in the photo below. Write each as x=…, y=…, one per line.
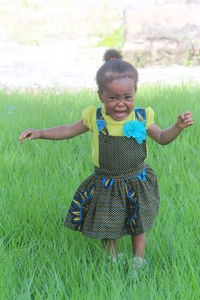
x=101, y=238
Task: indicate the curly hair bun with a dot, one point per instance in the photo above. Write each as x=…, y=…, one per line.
x=112, y=54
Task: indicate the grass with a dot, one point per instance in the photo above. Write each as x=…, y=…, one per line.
x=39, y=258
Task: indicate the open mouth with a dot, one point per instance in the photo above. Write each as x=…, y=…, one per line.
x=120, y=114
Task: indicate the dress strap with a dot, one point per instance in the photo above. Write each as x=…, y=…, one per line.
x=99, y=115
x=101, y=123
x=140, y=114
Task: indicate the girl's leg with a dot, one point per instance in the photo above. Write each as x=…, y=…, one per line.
x=138, y=244
x=114, y=248
x=107, y=243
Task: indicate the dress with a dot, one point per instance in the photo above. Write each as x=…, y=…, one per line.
x=121, y=197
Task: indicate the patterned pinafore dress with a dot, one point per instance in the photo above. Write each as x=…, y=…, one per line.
x=121, y=197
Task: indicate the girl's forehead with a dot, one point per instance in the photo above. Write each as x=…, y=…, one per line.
x=120, y=85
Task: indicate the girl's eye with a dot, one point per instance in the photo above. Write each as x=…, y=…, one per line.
x=128, y=97
x=113, y=98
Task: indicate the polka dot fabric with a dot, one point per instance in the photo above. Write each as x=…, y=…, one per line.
x=119, y=198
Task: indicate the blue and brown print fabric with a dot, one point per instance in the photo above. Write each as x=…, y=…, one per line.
x=121, y=197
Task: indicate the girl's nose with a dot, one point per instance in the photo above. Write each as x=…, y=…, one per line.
x=120, y=102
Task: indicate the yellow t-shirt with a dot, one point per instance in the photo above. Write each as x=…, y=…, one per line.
x=114, y=127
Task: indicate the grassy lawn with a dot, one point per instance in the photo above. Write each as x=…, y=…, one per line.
x=39, y=258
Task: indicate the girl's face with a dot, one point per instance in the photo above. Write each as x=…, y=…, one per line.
x=118, y=98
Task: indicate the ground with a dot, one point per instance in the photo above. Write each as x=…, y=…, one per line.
x=58, y=44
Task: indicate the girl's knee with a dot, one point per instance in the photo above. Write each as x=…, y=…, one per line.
x=139, y=237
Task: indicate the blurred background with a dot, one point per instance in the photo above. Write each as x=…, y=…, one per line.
x=61, y=43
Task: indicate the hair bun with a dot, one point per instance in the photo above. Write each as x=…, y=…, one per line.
x=112, y=54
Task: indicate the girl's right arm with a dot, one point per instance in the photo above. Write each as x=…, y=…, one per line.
x=56, y=133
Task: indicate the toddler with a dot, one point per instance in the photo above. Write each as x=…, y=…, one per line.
x=121, y=197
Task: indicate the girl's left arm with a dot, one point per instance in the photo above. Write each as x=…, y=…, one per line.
x=166, y=136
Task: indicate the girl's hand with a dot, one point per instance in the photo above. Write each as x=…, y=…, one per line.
x=184, y=120
x=29, y=134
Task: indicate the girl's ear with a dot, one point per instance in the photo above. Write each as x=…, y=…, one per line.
x=100, y=94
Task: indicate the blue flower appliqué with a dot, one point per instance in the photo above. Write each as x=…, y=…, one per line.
x=136, y=130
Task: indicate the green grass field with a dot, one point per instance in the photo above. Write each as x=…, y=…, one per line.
x=40, y=258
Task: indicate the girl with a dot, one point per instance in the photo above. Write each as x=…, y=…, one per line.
x=121, y=197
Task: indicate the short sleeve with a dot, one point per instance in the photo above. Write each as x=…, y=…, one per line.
x=149, y=117
x=89, y=117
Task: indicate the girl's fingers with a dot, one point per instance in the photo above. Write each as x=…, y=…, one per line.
x=189, y=121
x=188, y=118
x=26, y=134
x=181, y=117
x=187, y=115
x=185, y=119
